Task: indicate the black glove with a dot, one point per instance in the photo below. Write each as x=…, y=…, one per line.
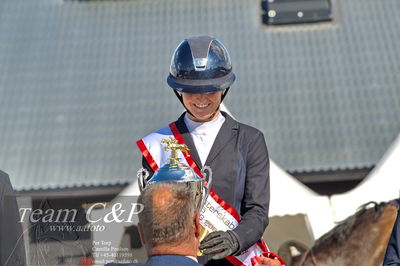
x=220, y=244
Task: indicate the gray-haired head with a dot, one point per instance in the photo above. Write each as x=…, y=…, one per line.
x=168, y=214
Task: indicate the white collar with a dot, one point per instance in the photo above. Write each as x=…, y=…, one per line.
x=200, y=127
x=193, y=258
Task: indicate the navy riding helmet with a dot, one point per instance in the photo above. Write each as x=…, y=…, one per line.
x=200, y=65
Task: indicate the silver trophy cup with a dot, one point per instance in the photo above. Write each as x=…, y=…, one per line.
x=178, y=172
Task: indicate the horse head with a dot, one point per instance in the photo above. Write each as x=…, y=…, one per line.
x=360, y=239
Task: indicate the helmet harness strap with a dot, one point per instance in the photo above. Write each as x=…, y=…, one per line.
x=188, y=111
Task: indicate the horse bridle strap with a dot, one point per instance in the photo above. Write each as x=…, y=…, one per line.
x=314, y=262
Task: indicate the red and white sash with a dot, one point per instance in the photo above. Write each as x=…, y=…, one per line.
x=216, y=214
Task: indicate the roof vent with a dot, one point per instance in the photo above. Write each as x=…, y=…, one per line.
x=281, y=12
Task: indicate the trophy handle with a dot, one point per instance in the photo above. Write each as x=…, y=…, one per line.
x=142, y=175
x=208, y=179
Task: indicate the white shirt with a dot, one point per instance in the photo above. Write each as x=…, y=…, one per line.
x=204, y=134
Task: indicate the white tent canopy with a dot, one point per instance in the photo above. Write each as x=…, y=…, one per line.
x=290, y=196
x=382, y=184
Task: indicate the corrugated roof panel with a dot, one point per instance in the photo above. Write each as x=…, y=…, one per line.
x=80, y=82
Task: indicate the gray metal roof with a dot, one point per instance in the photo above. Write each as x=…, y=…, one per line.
x=80, y=82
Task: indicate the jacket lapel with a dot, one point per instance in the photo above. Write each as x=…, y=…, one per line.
x=180, y=124
x=227, y=132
